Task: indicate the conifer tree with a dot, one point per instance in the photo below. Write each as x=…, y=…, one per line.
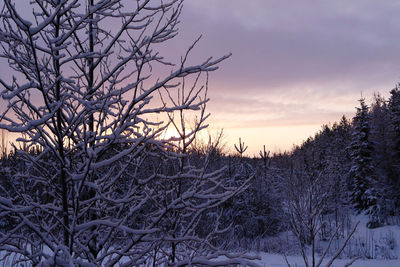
x=338, y=170
x=394, y=115
x=361, y=172
x=394, y=111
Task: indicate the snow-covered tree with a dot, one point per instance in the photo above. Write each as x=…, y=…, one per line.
x=394, y=134
x=380, y=134
x=362, y=172
x=306, y=201
x=338, y=169
x=394, y=109
x=94, y=182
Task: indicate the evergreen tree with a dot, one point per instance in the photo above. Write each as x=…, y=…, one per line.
x=380, y=124
x=394, y=113
x=362, y=172
x=382, y=157
x=338, y=171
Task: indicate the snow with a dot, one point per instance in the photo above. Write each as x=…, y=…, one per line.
x=276, y=260
x=382, y=243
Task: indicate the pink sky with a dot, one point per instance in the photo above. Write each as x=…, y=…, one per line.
x=296, y=64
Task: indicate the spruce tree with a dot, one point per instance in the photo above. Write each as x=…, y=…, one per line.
x=394, y=113
x=361, y=173
x=339, y=168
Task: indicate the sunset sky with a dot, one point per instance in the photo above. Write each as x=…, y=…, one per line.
x=296, y=64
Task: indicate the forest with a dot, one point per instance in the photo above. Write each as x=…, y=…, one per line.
x=94, y=179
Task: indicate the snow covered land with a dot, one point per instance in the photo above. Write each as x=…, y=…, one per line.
x=274, y=260
x=368, y=247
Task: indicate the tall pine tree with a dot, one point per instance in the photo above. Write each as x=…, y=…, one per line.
x=394, y=113
x=362, y=171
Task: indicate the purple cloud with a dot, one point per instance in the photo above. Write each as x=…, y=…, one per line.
x=294, y=62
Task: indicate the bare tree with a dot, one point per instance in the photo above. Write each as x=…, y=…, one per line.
x=103, y=189
x=306, y=202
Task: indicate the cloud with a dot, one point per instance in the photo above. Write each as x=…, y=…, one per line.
x=280, y=43
x=294, y=63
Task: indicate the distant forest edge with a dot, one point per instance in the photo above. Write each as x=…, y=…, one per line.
x=361, y=156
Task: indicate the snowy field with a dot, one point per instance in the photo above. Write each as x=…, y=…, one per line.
x=274, y=260
x=382, y=244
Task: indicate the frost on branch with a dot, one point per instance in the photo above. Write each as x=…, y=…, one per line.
x=92, y=181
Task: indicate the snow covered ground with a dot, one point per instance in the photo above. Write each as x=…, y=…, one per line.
x=276, y=260
x=382, y=244
x=378, y=247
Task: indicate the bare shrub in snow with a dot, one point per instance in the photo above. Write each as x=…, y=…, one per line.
x=306, y=203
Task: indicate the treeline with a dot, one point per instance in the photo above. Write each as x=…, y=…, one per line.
x=349, y=167
x=360, y=157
